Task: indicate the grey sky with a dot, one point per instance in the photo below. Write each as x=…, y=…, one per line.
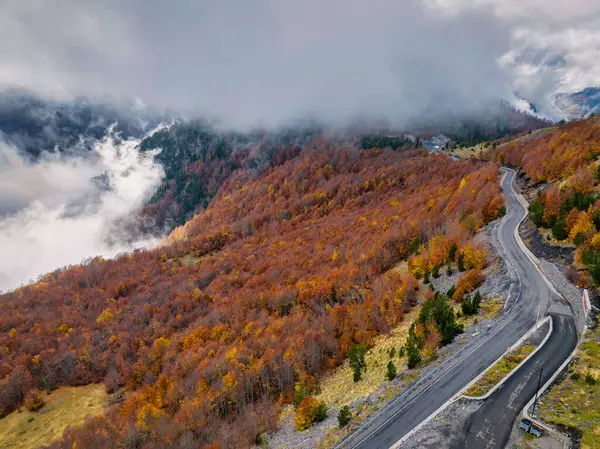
x=261, y=60
x=266, y=61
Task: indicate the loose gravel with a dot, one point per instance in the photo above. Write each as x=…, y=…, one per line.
x=447, y=429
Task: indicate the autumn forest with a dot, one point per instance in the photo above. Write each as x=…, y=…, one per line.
x=284, y=273
x=561, y=163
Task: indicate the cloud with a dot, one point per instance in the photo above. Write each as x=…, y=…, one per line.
x=62, y=210
x=269, y=61
x=259, y=61
x=555, y=45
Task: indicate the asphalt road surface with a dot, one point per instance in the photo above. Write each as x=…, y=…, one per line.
x=490, y=426
x=414, y=406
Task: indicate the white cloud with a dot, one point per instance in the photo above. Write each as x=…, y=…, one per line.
x=555, y=44
x=65, y=215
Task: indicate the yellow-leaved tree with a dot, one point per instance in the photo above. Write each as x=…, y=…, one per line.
x=582, y=228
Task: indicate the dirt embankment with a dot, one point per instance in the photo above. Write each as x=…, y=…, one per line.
x=447, y=429
x=544, y=250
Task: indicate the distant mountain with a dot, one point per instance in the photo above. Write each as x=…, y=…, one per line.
x=198, y=157
x=493, y=122
x=34, y=124
x=579, y=104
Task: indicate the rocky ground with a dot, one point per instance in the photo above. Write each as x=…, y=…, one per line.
x=498, y=276
x=520, y=440
x=539, y=246
x=446, y=429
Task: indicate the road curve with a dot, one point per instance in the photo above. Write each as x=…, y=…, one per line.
x=490, y=426
x=415, y=405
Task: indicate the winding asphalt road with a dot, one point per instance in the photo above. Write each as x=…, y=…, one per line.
x=490, y=427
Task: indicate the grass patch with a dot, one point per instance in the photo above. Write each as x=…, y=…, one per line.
x=575, y=402
x=339, y=389
x=494, y=375
x=467, y=152
x=491, y=308
x=66, y=406
x=550, y=240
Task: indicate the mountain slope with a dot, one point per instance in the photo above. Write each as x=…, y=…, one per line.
x=198, y=158
x=270, y=286
x=579, y=104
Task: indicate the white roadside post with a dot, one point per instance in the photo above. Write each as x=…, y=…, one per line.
x=587, y=305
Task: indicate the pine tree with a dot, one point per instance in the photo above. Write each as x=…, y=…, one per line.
x=391, y=371
x=414, y=356
x=439, y=311
x=558, y=229
x=477, y=301
x=452, y=252
x=344, y=416
x=357, y=361
x=451, y=291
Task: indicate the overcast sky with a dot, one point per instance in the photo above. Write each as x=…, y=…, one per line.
x=266, y=61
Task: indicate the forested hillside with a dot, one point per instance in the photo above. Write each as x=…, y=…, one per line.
x=198, y=158
x=271, y=285
x=495, y=121
x=555, y=153
x=564, y=161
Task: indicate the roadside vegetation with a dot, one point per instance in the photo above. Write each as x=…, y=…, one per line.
x=45, y=416
x=271, y=287
x=562, y=163
x=500, y=370
x=401, y=354
x=575, y=402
